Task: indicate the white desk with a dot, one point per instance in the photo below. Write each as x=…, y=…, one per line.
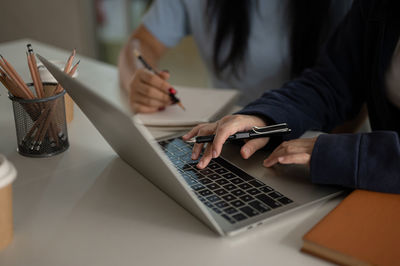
x=87, y=207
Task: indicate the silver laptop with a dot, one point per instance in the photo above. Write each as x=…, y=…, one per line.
x=224, y=196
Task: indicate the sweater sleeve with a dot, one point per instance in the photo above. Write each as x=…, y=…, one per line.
x=366, y=161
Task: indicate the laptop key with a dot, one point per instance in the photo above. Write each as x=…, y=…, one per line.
x=220, y=192
x=186, y=167
x=221, y=204
x=197, y=175
x=213, y=198
x=208, y=204
x=259, y=206
x=249, y=211
x=267, y=200
x=239, y=217
x=221, y=171
x=238, y=192
x=237, y=181
x=256, y=183
x=191, y=181
x=202, y=199
x=205, y=192
x=229, y=175
x=197, y=187
x=217, y=210
x=230, y=187
x=206, y=171
x=246, y=177
x=213, y=186
x=222, y=181
x=244, y=186
x=237, y=203
x=213, y=166
x=275, y=195
x=214, y=176
x=229, y=219
x=265, y=189
x=285, y=200
x=230, y=210
x=229, y=197
x=252, y=191
x=205, y=181
x=246, y=198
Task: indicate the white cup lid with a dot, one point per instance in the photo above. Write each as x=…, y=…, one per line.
x=7, y=171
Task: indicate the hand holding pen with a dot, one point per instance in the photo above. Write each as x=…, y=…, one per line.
x=221, y=131
x=150, y=91
x=254, y=133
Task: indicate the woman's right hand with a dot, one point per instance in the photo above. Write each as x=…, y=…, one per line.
x=222, y=129
x=148, y=92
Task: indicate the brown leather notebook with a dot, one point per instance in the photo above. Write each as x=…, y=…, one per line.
x=364, y=229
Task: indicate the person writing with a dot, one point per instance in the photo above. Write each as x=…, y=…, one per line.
x=250, y=45
x=359, y=65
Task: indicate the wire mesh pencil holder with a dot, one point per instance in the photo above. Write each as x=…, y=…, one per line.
x=40, y=125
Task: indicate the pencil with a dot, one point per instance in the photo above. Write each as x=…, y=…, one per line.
x=171, y=91
x=59, y=88
x=69, y=61
x=33, y=76
x=66, y=70
x=9, y=69
x=17, y=91
x=35, y=72
x=9, y=85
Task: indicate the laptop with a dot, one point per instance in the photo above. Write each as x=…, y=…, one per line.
x=224, y=196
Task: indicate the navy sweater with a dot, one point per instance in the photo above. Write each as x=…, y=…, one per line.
x=350, y=72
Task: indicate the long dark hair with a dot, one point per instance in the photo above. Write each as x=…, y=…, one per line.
x=309, y=22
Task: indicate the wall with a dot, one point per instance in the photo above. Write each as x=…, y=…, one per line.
x=63, y=23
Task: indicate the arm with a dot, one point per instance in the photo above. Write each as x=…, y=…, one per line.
x=147, y=92
x=366, y=161
x=163, y=26
x=326, y=95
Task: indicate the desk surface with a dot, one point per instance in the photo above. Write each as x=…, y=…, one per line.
x=87, y=207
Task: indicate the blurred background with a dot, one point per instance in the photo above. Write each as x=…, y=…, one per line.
x=97, y=29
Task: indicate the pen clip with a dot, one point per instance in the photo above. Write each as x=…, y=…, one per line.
x=271, y=129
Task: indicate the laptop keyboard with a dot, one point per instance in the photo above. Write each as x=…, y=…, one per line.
x=221, y=186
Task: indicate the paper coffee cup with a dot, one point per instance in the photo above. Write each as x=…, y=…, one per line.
x=46, y=76
x=7, y=176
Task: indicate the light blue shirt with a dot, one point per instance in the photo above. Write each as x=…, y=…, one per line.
x=266, y=64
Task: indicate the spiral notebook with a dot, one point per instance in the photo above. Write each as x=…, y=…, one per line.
x=202, y=105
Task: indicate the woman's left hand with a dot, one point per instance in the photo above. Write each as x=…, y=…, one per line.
x=296, y=151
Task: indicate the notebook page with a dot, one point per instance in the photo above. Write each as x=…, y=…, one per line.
x=202, y=105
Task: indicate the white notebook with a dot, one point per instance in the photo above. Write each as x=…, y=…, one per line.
x=202, y=105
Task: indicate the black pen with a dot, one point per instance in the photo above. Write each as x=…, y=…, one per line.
x=255, y=132
x=171, y=91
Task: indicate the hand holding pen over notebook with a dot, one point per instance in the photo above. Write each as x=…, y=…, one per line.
x=171, y=91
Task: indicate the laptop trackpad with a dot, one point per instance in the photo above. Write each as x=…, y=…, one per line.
x=291, y=180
